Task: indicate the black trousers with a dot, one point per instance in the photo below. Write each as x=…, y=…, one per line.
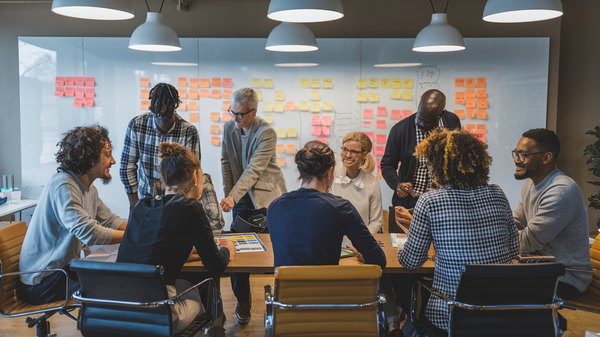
x=52, y=288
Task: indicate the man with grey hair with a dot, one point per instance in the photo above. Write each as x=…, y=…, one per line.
x=251, y=177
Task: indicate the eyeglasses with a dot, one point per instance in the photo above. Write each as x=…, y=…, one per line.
x=522, y=154
x=352, y=152
x=238, y=114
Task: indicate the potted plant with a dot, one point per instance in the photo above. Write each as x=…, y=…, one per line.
x=594, y=151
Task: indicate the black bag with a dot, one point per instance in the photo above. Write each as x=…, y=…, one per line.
x=251, y=221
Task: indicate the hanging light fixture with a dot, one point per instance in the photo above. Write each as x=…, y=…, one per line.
x=513, y=11
x=154, y=35
x=94, y=9
x=295, y=60
x=305, y=10
x=439, y=35
x=396, y=53
x=291, y=37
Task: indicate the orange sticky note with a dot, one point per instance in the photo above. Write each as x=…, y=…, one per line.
x=193, y=94
x=182, y=106
x=88, y=101
x=225, y=105
x=480, y=129
x=144, y=82
x=145, y=94
x=396, y=114
x=459, y=82
x=227, y=83
x=471, y=113
x=470, y=128
x=226, y=117
x=194, y=117
x=470, y=83
x=182, y=93
x=90, y=92
x=79, y=92
x=481, y=93
x=205, y=83
x=215, y=129
x=216, y=93
x=78, y=102
x=482, y=103
x=60, y=92
x=69, y=92
x=291, y=148
x=470, y=93
x=460, y=113
x=182, y=81
x=215, y=117
x=481, y=82
x=204, y=93
x=481, y=113
x=460, y=98
x=406, y=113
x=227, y=94
x=481, y=137
x=194, y=83
x=290, y=106
x=216, y=141
x=90, y=81
x=193, y=106
x=80, y=81
x=144, y=105
x=471, y=102
x=280, y=148
x=59, y=81
x=459, y=94
x=216, y=81
x=281, y=161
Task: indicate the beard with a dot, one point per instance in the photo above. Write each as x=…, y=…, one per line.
x=522, y=174
x=105, y=181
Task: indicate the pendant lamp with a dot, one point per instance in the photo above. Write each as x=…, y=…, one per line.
x=296, y=60
x=439, y=36
x=305, y=10
x=291, y=37
x=94, y=9
x=513, y=11
x=396, y=53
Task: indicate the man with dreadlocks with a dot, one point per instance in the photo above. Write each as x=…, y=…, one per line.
x=143, y=136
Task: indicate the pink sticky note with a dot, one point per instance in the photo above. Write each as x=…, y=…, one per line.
x=326, y=120
x=59, y=81
x=316, y=130
x=316, y=120
x=371, y=135
x=70, y=81
x=70, y=92
x=227, y=83
x=322, y=139
x=396, y=114
x=381, y=111
x=366, y=124
x=90, y=92
x=79, y=81
x=368, y=113
x=78, y=102
x=381, y=124
x=378, y=162
x=381, y=139
x=89, y=81
x=379, y=150
x=89, y=101
x=60, y=92
x=406, y=113
x=325, y=130
x=79, y=92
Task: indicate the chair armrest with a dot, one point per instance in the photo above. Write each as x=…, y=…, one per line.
x=380, y=300
x=583, y=271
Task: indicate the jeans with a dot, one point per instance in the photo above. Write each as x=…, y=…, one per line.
x=52, y=288
x=240, y=282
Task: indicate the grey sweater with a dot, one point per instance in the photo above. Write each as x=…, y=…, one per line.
x=552, y=218
x=67, y=216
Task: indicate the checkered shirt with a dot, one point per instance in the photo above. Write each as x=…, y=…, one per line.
x=142, y=139
x=211, y=205
x=422, y=182
x=466, y=227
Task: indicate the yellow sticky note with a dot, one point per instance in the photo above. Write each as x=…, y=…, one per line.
x=315, y=107
x=291, y=148
x=407, y=83
x=315, y=83
x=255, y=83
x=292, y=132
x=362, y=96
x=268, y=106
x=373, y=83
x=303, y=106
x=385, y=82
x=407, y=95
x=396, y=94
x=304, y=83
x=279, y=107
x=315, y=95
x=362, y=83
x=280, y=148
x=327, y=106
x=258, y=94
x=281, y=133
x=397, y=83
x=373, y=97
x=269, y=118
x=279, y=96
x=327, y=83
x=268, y=83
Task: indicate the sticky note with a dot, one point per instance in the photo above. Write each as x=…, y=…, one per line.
x=481, y=113
x=215, y=129
x=470, y=128
x=215, y=117
x=397, y=83
x=406, y=113
x=361, y=83
x=268, y=83
x=79, y=92
x=194, y=83
x=225, y=106
x=471, y=103
x=481, y=82
x=281, y=161
x=316, y=120
x=226, y=117
x=182, y=81
x=194, y=117
x=481, y=93
x=216, y=82
x=407, y=95
x=304, y=83
x=371, y=135
x=327, y=106
x=182, y=106
x=459, y=96
x=381, y=139
x=259, y=95
x=88, y=101
x=407, y=83
x=227, y=83
x=460, y=113
x=269, y=118
x=216, y=141
x=470, y=83
x=60, y=92
x=315, y=107
x=204, y=93
x=59, y=81
x=78, y=102
x=268, y=106
x=381, y=111
x=193, y=106
x=303, y=106
x=292, y=132
x=216, y=93
x=459, y=82
x=470, y=93
x=316, y=131
x=279, y=96
x=481, y=137
x=322, y=139
x=193, y=94
x=396, y=94
x=144, y=105
x=325, y=130
x=315, y=83
x=379, y=150
x=326, y=120
x=362, y=96
x=89, y=82
x=290, y=106
x=378, y=163
x=182, y=93
x=69, y=92
x=91, y=92
x=368, y=113
x=381, y=124
x=281, y=133
x=396, y=114
x=256, y=83
x=205, y=83
x=471, y=113
x=480, y=128
x=80, y=81
x=315, y=95
x=366, y=124
x=71, y=81
x=482, y=103
x=291, y=148
x=373, y=97
x=279, y=148
x=385, y=82
x=327, y=83
x=373, y=83
x=279, y=107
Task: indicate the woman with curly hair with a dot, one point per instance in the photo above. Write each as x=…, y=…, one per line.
x=468, y=220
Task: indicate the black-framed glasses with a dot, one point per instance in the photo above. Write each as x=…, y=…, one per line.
x=239, y=114
x=522, y=154
x=352, y=152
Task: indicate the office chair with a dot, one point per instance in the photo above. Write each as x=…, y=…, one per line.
x=496, y=300
x=127, y=299
x=331, y=301
x=590, y=300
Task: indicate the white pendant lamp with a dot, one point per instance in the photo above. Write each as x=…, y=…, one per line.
x=291, y=37
x=154, y=35
x=305, y=10
x=296, y=60
x=439, y=36
x=94, y=9
x=396, y=53
x=513, y=11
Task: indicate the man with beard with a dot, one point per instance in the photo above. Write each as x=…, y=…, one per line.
x=69, y=214
x=551, y=215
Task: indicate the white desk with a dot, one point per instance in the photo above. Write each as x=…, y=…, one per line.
x=10, y=208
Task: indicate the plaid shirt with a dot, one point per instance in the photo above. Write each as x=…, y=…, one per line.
x=142, y=139
x=211, y=205
x=422, y=182
x=466, y=227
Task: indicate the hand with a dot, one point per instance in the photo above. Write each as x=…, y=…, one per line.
x=403, y=216
x=194, y=256
x=358, y=255
x=404, y=189
x=227, y=244
x=227, y=204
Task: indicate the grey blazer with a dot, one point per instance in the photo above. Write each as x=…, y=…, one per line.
x=258, y=173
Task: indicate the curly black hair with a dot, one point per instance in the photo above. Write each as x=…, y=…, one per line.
x=456, y=158
x=164, y=99
x=81, y=148
x=545, y=140
x=314, y=160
